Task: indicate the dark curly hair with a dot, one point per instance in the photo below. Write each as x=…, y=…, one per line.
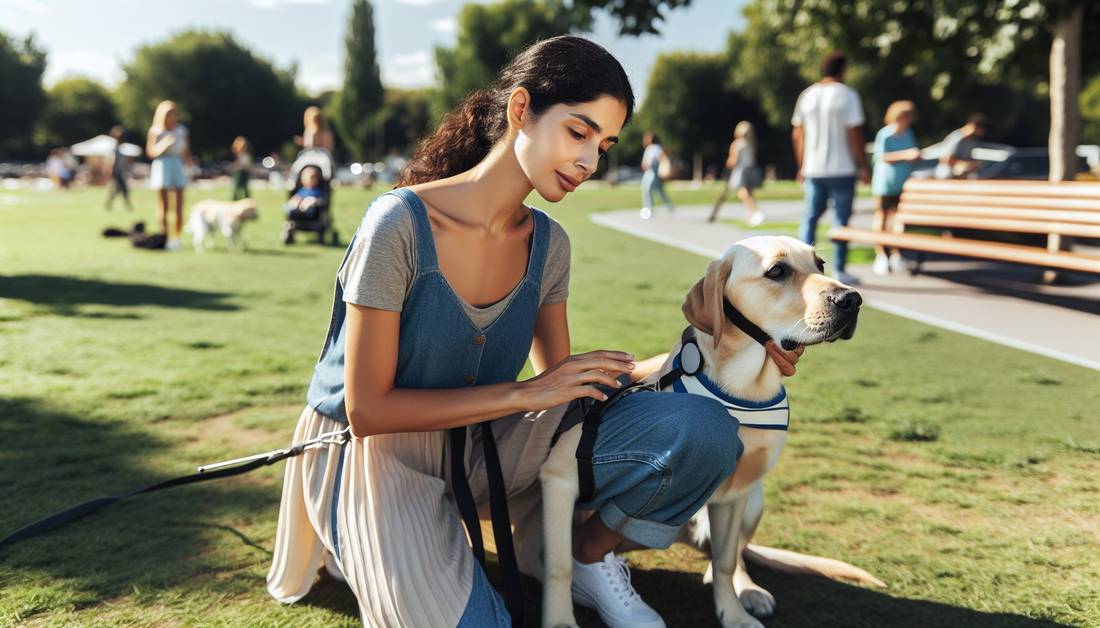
x=563, y=69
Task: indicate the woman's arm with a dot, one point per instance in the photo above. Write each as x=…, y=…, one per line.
x=150, y=145
x=731, y=160
x=375, y=406
x=908, y=154
x=551, y=341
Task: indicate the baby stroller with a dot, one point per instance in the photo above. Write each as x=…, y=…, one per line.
x=318, y=217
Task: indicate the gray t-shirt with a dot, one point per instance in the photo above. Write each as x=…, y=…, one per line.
x=382, y=263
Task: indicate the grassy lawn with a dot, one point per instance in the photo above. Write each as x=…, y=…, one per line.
x=960, y=472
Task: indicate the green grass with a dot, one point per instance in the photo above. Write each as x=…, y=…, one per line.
x=960, y=472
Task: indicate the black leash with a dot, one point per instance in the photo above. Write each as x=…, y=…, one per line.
x=214, y=471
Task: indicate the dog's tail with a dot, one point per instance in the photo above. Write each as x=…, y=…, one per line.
x=793, y=562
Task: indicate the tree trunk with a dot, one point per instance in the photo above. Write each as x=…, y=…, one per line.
x=697, y=170
x=1065, y=80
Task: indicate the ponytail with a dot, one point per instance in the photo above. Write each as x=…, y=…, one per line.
x=463, y=139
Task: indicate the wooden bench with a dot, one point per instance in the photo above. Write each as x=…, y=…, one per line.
x=1060, y=211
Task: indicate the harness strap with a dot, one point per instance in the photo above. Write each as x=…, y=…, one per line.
x=498, y=506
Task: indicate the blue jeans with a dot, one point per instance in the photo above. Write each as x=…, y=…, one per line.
x=652, y=183
x=658, y=457
x=818, y=191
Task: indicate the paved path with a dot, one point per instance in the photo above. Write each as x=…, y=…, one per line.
x=997, y=302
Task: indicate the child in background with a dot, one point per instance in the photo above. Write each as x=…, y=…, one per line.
x=895, y=151
x=242, y=167
x=304, y=204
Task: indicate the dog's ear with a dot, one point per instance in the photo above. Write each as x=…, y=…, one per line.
x=703, y=306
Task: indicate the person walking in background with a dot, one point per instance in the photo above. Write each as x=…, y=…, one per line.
x=895, y=151
x=956, y=158
x=119, y=167
x=651, y=177
x=167, y=145
x=316, y=132
x=242, y=167
x=828, y=149
x=744, y=173
x=57, y=170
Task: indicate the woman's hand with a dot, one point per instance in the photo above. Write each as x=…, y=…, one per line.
x=572, y=378
x=785, y=360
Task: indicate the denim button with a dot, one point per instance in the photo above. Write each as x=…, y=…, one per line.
x=479, y=340
x=469, y=379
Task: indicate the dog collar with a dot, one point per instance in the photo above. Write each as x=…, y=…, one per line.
x=773, y=414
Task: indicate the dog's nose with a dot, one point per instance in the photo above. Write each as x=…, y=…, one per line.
x=847, y=301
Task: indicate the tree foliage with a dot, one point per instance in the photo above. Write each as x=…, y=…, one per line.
x=76, y=109
x=406, y=116
x=951, y=57
x=358, y=103
x=22, y=64
x=490, y=35
x=692, y=109
x=222, y=88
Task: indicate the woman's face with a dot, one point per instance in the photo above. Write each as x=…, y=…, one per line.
x=170, y=118
x=561, y=148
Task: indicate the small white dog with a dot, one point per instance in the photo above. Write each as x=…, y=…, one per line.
x=228, y=217
x=776, y=283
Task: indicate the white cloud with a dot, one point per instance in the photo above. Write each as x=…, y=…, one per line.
x=412, y=69
x=101, y=67
x=447, y=25
x=274, y=4
x=30, y=6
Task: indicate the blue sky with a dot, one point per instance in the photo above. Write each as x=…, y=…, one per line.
x=94, y=38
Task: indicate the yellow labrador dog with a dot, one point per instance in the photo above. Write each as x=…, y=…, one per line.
x=776, y=283
x=228, y=217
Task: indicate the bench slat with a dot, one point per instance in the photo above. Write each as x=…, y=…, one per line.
x=1062, y=189
x=1041, y=215
x=1014, y=201
x=971, y=248
x=1000, y=224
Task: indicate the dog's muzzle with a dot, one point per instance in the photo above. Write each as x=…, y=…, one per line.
x=846, y=304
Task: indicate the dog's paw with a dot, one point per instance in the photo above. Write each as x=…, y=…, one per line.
x=737, y=618
x=757, y=601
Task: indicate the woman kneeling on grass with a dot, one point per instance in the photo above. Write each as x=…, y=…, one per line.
x=446, y=286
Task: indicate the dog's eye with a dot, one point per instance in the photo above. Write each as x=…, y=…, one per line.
x=776, y=272
x=820, y=264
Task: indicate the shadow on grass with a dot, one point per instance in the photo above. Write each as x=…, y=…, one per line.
x=175, y=539
x=802, y=601
x=62, y=294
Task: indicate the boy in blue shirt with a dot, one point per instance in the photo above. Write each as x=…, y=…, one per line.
x=895, y=151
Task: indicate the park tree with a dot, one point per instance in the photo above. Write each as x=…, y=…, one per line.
x=489, y=35
x=22, y=64
x=952, y=57
x=76, y=109
x=406, y=116
x=222, y=88
x=358, y=119
x=695, y=110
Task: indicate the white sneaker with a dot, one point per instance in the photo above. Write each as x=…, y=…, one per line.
x=845, y=278
x=173, y=245
x=755, y=220
x=646, y=213
x=881, y=265
x=605, y=586
x=897, y=263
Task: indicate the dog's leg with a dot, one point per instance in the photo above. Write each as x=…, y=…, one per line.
x=754, y=598
x=725, y=533
x=559, y=494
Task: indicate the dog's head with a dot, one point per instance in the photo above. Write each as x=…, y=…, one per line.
x=777, y=282
x=245, y=209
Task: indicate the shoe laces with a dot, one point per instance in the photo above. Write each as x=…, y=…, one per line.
x=619, y=572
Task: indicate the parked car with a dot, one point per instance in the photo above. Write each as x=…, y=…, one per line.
x=998, y=161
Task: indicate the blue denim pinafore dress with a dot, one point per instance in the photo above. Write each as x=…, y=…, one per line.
x=441, y=347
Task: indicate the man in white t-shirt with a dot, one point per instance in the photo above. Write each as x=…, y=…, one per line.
x=828, y=148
